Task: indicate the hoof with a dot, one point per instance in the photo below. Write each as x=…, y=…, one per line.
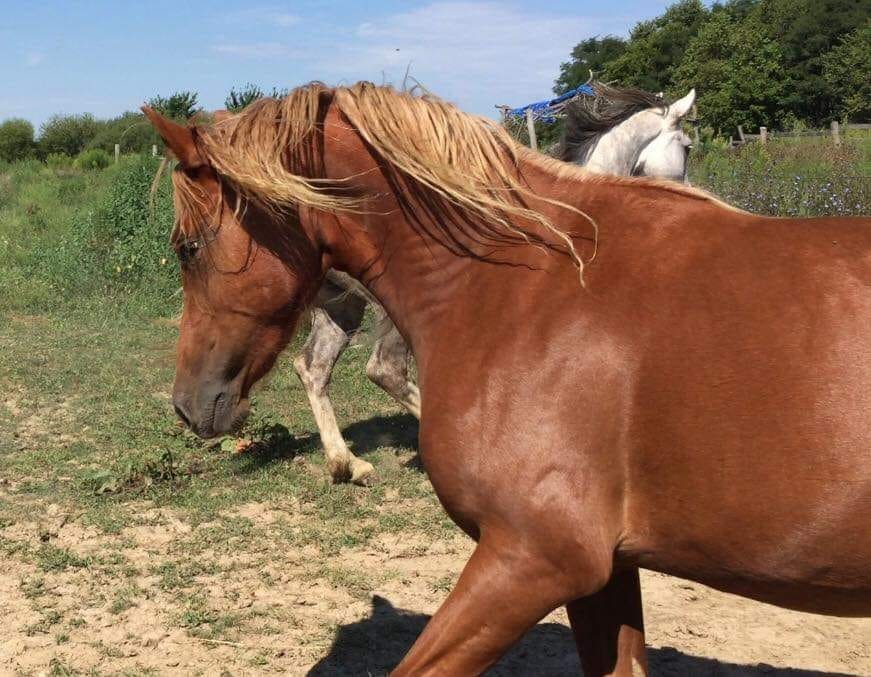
x=362, y=472
x=340, y=471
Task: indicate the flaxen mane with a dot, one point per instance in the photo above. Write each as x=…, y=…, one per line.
x=588, y=118
x=460, y=170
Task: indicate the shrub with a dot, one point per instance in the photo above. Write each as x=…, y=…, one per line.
x=243, y=97
x=178, y=106
x=16, y=139
x=128, y=235
x=58, y=161
x=67, y=134
x=95, y=158
x=787, y=177
x=131, y=131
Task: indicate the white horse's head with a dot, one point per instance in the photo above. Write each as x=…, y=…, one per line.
x=629, y=132
x=667, y=153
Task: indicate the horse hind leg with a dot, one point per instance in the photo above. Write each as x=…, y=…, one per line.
x=314, y=366
x=388, y=368
x=609, y=628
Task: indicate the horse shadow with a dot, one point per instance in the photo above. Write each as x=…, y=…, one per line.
x=395, y=430
x=277, y=443
x=374, y=645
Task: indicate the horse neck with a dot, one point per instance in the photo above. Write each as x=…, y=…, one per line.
x=617, y=150
x=414, y=275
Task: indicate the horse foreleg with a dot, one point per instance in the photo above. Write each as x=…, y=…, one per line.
x=388, y=368
x=314, y=366
x=501, y=594
x=609, y=628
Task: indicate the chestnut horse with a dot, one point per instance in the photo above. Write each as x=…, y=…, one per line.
x=697, y=403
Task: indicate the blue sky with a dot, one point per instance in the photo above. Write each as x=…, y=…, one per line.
x=108, y=57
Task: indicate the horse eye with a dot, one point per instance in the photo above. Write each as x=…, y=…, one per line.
x=188, y=250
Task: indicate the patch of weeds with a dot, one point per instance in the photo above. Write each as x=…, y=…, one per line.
x=444, y=584
x=125, y=598
x=134, y=475
x=353, y=582
x=197, y=613
x=49, y=618
x=205, y=622
x=61, y=638
x=107, y=517
x=32, y=587
x=51, y=558
x=259, y=659
x=175, y=575
x=58, y=668
x=10, y=547
x=230, y=534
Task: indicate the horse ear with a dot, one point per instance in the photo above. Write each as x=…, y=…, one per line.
x=679, y=109
x=179, y=139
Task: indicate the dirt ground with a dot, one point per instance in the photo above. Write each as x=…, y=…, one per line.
x=290, y=612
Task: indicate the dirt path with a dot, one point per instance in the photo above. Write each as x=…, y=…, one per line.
x=162, y=597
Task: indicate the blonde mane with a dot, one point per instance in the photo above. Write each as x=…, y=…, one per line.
x=461, y=170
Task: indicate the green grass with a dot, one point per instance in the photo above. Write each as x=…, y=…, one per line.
x=790, y=176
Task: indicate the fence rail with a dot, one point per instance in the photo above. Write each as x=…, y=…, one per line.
x=765, y=134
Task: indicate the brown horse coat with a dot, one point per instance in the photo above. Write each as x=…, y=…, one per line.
x=699, y=407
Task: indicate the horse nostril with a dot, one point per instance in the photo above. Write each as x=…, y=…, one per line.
x=181, y=414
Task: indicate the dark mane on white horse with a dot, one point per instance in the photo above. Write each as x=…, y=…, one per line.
x=589, y=117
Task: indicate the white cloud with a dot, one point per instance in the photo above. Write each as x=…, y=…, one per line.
x=33, y=59
x=254, y=50
x=476, y=53
x=263, y=15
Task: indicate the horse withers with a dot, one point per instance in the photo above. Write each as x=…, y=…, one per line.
x=694, y=399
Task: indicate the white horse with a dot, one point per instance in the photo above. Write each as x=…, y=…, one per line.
x=629, y=132
x=619, y=131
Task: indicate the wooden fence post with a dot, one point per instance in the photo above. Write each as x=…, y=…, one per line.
x=741, y=133
x=530, y=126
x=154, y=150
x=117, y=152
x=836, y=132
x=763, y=134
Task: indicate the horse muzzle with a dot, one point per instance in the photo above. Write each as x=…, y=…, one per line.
x=212, y=411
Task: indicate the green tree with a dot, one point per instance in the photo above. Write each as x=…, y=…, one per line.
x=131, y=131
x=67, y=134
x=847, y=71
x=178, y=105
x=657, y=46
x=16, y=139
x=592, y=54
x=736, y=70
x=243, y=97
x=806, y=30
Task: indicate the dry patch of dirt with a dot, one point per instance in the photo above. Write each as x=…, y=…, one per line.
x=180, y=599
x=34, y=422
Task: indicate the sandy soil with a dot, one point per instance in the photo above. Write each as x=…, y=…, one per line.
x=295, y=613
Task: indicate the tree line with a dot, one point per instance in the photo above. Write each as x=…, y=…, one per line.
x=785, y=64
x=70, y=136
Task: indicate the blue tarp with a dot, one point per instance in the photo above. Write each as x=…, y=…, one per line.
x=541, y=109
